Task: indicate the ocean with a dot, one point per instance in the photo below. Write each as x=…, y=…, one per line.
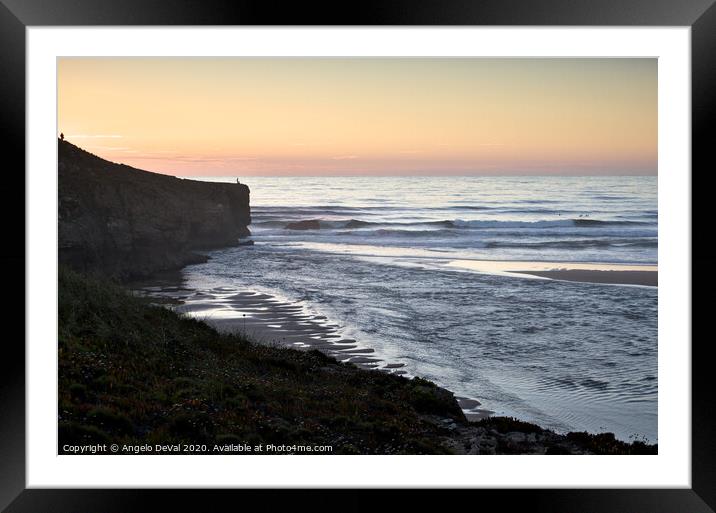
x=379, y=260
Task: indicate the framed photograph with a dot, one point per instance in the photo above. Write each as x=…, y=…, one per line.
x=417, y=247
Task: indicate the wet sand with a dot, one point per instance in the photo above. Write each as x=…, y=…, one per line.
x=471, y=409
x=648, y=278
x=266, y=319
x=616, y=274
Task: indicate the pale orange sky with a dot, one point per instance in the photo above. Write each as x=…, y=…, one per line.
x=363, y=116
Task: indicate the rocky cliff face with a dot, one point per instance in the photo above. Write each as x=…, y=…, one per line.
x=126, y=222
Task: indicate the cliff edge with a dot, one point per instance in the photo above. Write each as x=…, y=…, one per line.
x=125, y=222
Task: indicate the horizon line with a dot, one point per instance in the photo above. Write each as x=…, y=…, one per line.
x=423, y=176
x=477, y=174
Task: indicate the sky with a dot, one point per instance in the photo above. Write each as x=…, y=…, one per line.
x=363, y=116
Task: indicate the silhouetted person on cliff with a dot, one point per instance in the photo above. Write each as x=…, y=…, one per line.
x=62, y=136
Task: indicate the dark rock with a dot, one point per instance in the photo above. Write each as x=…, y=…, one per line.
x=309, y=224
x=126, y=222
x=516, y=437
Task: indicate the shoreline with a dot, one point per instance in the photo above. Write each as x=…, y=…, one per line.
x=642, y=278
x=213, y=393
x=280, y=322
x=582, y=272
x=268, y=320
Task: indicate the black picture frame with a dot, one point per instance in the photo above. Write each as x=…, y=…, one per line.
x=17, y=15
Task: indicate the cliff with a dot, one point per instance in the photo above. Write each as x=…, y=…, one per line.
x=125, y=222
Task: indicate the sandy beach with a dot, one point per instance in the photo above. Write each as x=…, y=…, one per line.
x=268, y=320
x=615, y=274
x=647, y=278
